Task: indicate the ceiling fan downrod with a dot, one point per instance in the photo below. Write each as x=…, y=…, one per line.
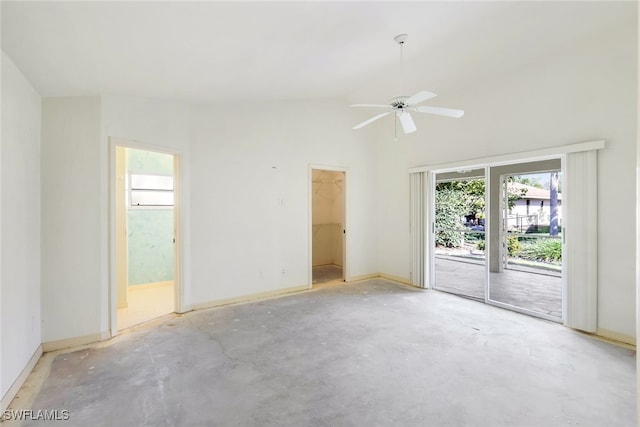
x=400, y=39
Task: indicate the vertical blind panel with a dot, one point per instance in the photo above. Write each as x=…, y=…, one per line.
x=417, y=222
x=581, y=246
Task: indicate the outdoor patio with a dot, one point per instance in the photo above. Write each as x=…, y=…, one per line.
x=538, y=291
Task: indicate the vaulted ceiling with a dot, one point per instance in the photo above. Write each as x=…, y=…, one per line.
x=238, y=51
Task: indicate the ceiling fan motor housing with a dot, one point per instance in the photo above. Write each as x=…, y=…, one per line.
x=398, y=102
x=400, y=38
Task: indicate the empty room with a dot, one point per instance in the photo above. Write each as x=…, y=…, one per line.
x=319, y=213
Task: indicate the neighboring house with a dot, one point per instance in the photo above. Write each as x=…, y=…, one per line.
x=532, y=209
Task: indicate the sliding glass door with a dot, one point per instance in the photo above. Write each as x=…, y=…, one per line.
x=528, y=276
x=498, y=236
x=459, y=250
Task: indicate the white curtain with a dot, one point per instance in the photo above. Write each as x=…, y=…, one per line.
x=417, y=225
x=581, y=240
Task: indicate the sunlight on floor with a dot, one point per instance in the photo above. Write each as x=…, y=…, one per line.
x=146, y=303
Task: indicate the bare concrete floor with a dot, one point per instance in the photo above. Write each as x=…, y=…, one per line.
x=364, y=354
x=540, y=293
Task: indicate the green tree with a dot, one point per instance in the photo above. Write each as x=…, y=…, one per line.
x=451, y=206
x=470, y=191
x=473, y=192
x=458, y=199
x=533, y=182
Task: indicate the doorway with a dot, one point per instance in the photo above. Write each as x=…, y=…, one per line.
x=145, y=218
x=327, y=226
x=498, y=235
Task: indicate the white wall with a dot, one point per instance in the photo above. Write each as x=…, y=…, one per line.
x=578, y=93
x=72, y=204
x=20, y=216
x=250, y=194
x=152, y=122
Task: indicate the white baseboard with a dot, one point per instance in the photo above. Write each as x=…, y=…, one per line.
x=75, y=341
x=385, y=276
x=247, y=298
x=17, y=384
x=184, y=309
x=363, y=277
x=402, y=280
x=615, y=336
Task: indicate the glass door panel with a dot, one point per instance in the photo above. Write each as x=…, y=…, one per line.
x=529, y=274
x=459, y=258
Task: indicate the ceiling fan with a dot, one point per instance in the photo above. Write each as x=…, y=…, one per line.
x=402, y=105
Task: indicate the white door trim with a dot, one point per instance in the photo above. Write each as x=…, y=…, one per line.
x=345, y=244
x=179, y=291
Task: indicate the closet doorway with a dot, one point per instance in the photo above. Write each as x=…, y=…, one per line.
x=327, y=226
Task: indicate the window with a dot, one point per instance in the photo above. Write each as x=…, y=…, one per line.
x=150, y=190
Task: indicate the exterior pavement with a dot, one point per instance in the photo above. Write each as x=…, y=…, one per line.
x=540, y=293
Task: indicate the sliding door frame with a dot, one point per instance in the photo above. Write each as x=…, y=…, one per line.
x=559, y=152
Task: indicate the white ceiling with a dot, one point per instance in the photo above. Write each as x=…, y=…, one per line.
x=231, y=51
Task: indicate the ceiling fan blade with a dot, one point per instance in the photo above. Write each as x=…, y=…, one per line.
x=448, y=112
x=407, y=122
x=371, y=105
x=419, y=97
x=372, y=119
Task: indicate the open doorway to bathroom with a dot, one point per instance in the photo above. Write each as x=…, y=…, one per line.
x=145, y=238
x=328, y=225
